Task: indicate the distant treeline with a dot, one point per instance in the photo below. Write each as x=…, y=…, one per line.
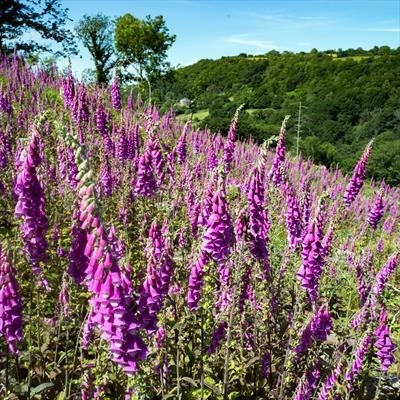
x=346, y=98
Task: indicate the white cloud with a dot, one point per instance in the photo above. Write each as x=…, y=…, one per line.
x=246, y=41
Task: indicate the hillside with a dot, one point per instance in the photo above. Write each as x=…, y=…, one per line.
x=346, y=98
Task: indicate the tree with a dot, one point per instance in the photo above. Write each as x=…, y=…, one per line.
x=46, y=17
x=143, y=44
x=96, y=34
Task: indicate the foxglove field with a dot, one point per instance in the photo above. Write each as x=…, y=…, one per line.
x=141, y=258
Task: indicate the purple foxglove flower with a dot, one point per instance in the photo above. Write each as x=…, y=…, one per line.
x=208, y=200
x=312, y=255
x=377, y=211
x=379, y=246
x=158, y=160
x=363, y=287
x=159, y=271
x=307, y=388
x=80, y=109
x=218, y=238
x=171, y=168
x=275, y=174
x=317, y=329
x=106, y=179
x=229, y=146
x=146, y=184
x=133, y=142
x=217, y=337
x=356, y=366
x=5, y=150
x=258, y=219
x=212, y=160
x=384, y=343
x=195, y=218
x=293, y=219
x=241, y=224
x=122, y=149
x=31, y=207
x=196, y=281
x=115, y=94
x=330, y=383
x=68, y=89
x=10, y=304
x=384, y=274
x=306, y=208
x=181, y=148
x=101, y=120
x=5, y=102
x=357, y=180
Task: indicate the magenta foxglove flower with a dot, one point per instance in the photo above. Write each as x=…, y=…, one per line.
x=158, y=160
x=80, y=109
x=356, y=366
x=10, y=304
x=218, y=238
x=384, y=274
x=115, y=94
x=31, y=207
x=5, y=102
x=101, y=120
x=196, y=281
x=212, y=160
x=312, y=255
x=105, y=178
x=146, y=184
x=258, y=219
x=357, y=180
x=275, y=174
x=229, y=146
x=122, y=149
x=5, y=150
x=181, y=148
x=158, y=277
x=78, y=261
x=384, y=343
x=377, y=211
x=68, y=89
x=330, y=383
x=317, y=329
x=307, y=388
x=293, y=219
x=217, y=337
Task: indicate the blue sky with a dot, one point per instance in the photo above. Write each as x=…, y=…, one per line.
x=216, y=28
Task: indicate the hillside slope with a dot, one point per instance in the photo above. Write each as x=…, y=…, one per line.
x=346, y=99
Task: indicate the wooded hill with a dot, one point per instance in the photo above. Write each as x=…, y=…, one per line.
x=346, y=98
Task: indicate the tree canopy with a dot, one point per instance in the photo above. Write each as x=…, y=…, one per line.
x=143, y=44
x=96, y=34
x=46, y=17
x=347, y=98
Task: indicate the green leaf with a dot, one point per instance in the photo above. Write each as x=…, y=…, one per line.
x=41, y=388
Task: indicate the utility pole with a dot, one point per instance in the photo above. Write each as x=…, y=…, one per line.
x=298, y=130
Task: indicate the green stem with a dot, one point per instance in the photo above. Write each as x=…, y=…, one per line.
x=229, y=335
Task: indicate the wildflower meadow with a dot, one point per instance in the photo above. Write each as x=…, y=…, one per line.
x=142, y=258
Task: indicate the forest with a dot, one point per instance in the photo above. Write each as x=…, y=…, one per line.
x=346, y=98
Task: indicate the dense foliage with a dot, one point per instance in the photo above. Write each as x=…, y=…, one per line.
x=143, y=44
x=346, y=97
x=144, y=259
x=44, y=17
x=97, y=35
